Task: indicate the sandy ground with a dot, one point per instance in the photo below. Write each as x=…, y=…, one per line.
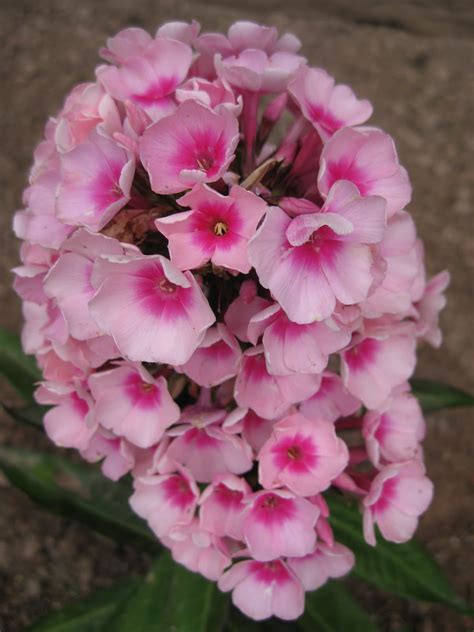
x=413, y=60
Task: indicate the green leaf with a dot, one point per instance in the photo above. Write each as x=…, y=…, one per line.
x=435, y=395
x=18, y=368
x=332, y=608
x=77, y=491
x=404, y=569
x=31, y=415
x=88, y=614
x=171, y=599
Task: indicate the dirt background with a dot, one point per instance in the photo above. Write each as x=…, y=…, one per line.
x=413, y=60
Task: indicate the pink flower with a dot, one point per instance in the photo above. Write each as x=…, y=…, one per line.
x=326, y=105
x=429, y=307
x=402, y=266
x=366, y=157
x=395, y=432
x=278, y=524
x=198, y=550
x=116, y=459
x=154, y=312
x=256, y=430
x=96, y=177
x=182, y=31
x=149, y=77
x=71, y=403
x=302, y=455
x=310, y=261
x=217, y=228
x=243, y=308
x=69, y=280
x=261, y=590
x=255, y=71
x=214, y=94
x=166, y=501
x=374, y=366
x=86, y=107
x=126, y=44
x=194, y=144
x=222, y=505
x=331, y=400
x=218, y=279
x=38, y=223
x=133, y=404
x=314, y=569
x=399, y=494
x=268, y=395
x=291, y=348
x=205, y=448
x=215, y=360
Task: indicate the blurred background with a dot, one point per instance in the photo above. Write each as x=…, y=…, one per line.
x=413, y=60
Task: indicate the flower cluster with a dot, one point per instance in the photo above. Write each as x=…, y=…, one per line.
x=224, y=292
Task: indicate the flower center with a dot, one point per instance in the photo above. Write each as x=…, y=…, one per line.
x=165, y=286
x=220, y=229
x=270, y=502
x=147, y=388
x=204, y=163
x=294, y=453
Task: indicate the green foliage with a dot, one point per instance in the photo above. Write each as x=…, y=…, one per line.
x=79, y=491
x=407, y=569
x=436, y=396
x=171, y=598
x=89, y=614
x=18, y=368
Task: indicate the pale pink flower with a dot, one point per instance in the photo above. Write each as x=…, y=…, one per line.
x=367, y=157
x=216, y=94
x=70, y=423
x=192, y=145
x=166, y=502
x=243, y=308
x=326, y=105
x=399, y=494
x=96, y=178
x=128, y=43
x=254, y=70
x=331, y=401
x=111, y=451
x=402, y=266
x=198, y=550
x=310, y=261
x=278, y=524
x=217, y=228
x=86, y=107
x=222, y=505
x=325, y=562
x=395, y=432
x=150, y=77
x=256, y=430
x=207, y=449
x=133, y=404
x=69, y=280
x=270, y=396
x=429, y=307
x=186, y=32
x=215, y=360
x=261, y=590
x=302, y=455
x=38, y=223
x=291, y=348
x=372, y=367
x=154, y=312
